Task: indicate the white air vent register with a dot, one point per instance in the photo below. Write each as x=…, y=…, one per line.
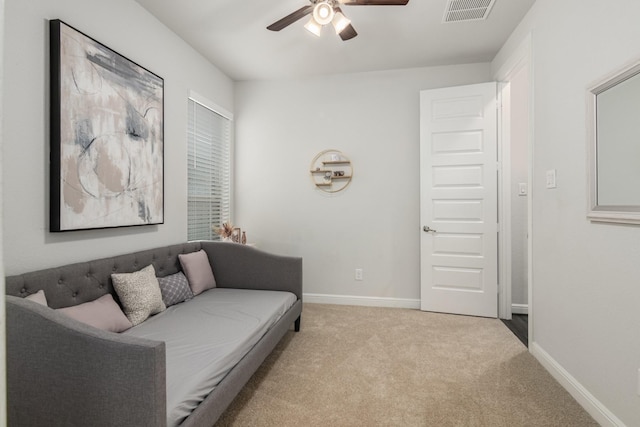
x=467, y=10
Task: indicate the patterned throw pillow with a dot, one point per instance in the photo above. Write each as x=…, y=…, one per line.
x=139, y=294
x=175, y=288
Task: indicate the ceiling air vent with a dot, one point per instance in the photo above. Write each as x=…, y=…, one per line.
x=467, y=10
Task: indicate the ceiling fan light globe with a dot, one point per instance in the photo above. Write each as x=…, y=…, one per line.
x=323, y=13
x=313, y=27
x=340, y=22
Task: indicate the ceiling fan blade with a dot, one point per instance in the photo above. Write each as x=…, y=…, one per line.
x=348, y=33
x=291, y=18
x=374, y=2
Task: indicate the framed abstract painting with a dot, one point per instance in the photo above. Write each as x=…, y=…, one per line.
x=107, y=136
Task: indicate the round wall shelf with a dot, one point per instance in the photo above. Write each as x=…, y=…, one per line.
x=331, y=171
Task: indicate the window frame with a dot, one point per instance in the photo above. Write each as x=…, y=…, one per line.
x=201, y=101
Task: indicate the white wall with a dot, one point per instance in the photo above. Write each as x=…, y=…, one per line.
x=373, y=224
x=127, y=28
x=586, y=291
x=3, y=364
x=519, y=146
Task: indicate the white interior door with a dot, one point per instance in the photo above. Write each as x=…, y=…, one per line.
x=459, y=200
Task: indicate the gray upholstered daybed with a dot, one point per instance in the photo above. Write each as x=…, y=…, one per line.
x=63, y=372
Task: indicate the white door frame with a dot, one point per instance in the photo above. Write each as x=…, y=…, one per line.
x=519, y=59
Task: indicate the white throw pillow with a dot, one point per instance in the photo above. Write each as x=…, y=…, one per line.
x=139, y=293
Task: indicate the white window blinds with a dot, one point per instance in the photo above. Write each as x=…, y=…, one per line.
x=209, y=171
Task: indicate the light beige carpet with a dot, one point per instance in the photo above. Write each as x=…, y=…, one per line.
x=362, y=366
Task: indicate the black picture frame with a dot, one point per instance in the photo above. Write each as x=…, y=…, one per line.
x=107, y=136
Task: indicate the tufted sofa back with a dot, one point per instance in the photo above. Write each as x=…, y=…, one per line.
x=86, y=281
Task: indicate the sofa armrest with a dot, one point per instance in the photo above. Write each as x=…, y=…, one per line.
x=63, y=372
x=241, y=266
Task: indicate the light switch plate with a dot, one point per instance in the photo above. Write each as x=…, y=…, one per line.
x=522, y=189
x=551, y=178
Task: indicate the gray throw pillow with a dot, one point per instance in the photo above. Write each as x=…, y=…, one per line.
x=38, y=297
x=139, y=293
x=103, y=313
x=198, y=271
x=174, y=288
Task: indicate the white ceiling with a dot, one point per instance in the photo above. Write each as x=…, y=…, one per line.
x=232, y=35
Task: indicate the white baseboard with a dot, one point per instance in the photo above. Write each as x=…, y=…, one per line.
x=363, y=301
x=520, y=308
x=593, y=406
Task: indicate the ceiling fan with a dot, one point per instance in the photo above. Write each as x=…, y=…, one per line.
x=324, y=12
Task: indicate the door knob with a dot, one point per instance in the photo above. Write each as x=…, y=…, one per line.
x=427, y=229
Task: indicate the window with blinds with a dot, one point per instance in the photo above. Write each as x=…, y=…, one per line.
x=209, y=171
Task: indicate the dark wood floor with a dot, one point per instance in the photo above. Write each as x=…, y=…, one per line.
x=519, y=325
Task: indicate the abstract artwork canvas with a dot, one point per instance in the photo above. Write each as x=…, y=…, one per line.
x=107, y=136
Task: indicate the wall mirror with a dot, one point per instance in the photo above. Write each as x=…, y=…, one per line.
x=613, y=117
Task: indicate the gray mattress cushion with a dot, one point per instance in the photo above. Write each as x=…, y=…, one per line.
x=206, y=337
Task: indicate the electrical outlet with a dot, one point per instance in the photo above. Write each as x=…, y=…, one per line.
x=358, y=274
